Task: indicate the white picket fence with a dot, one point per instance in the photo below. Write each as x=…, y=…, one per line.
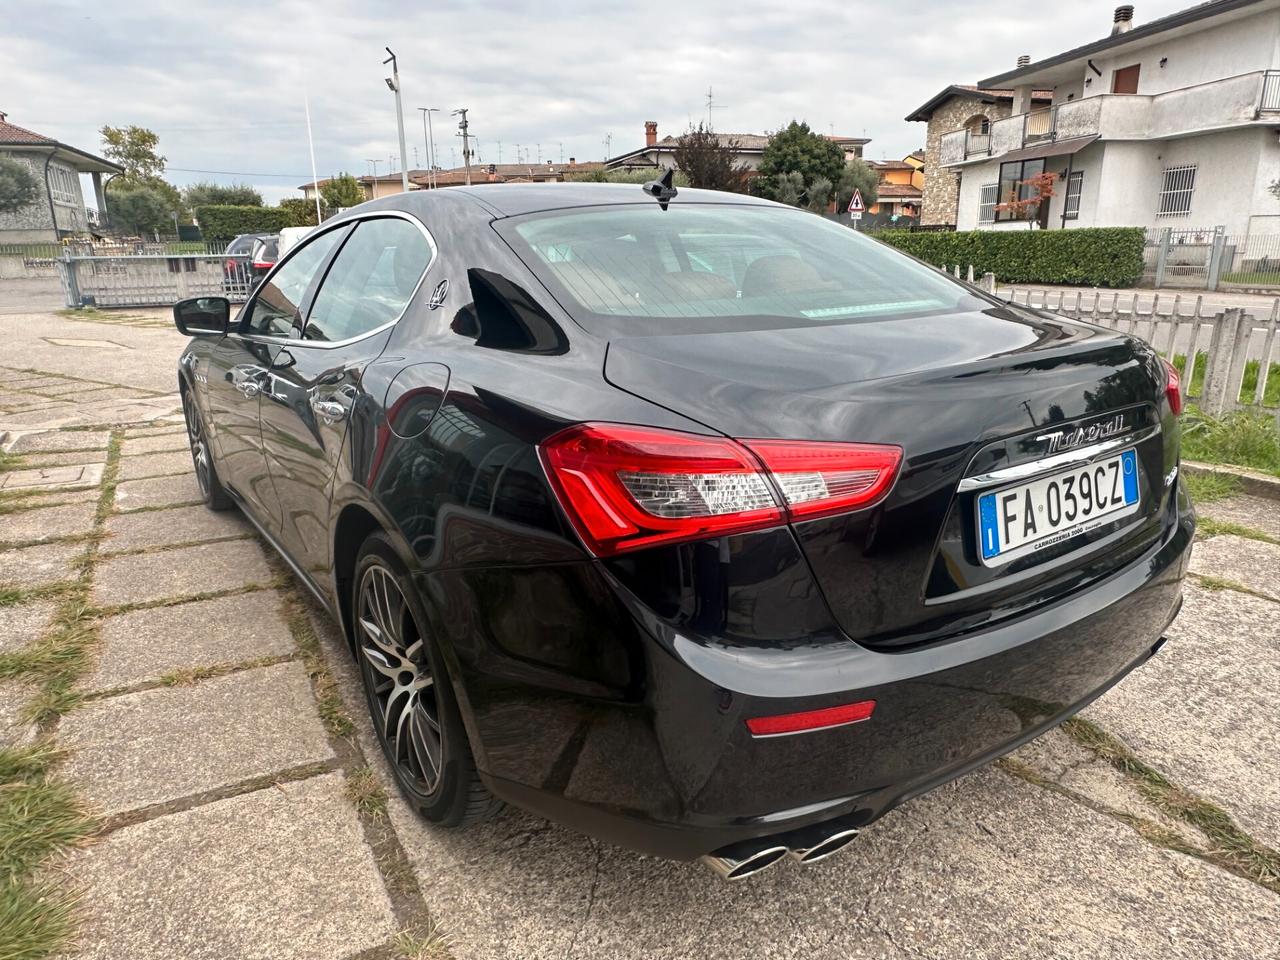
x=1232, y=352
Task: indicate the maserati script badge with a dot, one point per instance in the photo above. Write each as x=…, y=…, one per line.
x=1060, y=440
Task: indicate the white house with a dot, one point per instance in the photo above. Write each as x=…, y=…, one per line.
x=1171, y=123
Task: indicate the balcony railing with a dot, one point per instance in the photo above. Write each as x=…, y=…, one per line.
x=1270, y=102
x=1216, y=104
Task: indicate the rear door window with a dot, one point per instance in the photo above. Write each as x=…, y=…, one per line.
x=371, y=280
x=275, y=308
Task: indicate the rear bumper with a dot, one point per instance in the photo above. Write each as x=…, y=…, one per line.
x=667, y=766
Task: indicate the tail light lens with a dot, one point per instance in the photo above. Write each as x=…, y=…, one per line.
x=263, y=264
x=1173, y=387
x=627, y=487
x=783, y=723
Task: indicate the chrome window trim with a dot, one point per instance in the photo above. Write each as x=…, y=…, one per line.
x=330, y=345
x=1028, y=471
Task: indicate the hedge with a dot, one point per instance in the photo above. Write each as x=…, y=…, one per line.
x=1091, y=256
x=221, y=223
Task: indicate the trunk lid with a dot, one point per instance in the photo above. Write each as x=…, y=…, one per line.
x=963, y=394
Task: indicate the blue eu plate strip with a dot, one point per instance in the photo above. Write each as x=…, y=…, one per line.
x=987, y=518
x=1129, y=467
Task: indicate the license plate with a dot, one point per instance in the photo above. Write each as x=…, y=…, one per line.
x=1031, y=516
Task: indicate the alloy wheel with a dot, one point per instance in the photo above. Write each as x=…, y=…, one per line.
x=199, y=446
x=399, y=676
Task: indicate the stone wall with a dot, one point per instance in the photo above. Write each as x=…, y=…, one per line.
x=940, y=183
x=33, y=223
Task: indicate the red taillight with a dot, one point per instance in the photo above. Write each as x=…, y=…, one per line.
x=811, y=719
x=263, y=264
x=627, y=487
x=1173, y=387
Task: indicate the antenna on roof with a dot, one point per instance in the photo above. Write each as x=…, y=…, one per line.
x=662, y=189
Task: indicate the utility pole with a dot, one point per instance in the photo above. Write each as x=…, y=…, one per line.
x=539, y=154
x=562, y=154
x=499, y=151
x=608, y=144
x=431, y=144
x=466, y=150
x=517, y=153
x=393, y=82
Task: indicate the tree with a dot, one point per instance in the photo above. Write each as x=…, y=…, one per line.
x=819, y=194
x=133, y=148
x=341, y=192
x=1026, y=197
x=139, y=208
x=644, y=175
x=709, y=161
x=300, y=212
x=217, y=194
x=789, y=188
x=858, y=174
x=19, y=187
x=797, y=149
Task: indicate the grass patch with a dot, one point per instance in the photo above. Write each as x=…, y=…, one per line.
x=1229, y=845
x=1209, y=527
x=432, y=943
x=1241, y=439
x=365, y=793
x=333, y=712
x=1208, y=487
x=39, y=816
x=1248, y=384
x=1253, y=278
x=1218, y=584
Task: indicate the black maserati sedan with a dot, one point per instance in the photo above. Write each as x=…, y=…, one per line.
x=700, y=524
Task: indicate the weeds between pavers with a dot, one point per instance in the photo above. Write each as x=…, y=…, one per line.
x=1218, y=584
x=431, y=944
x=1229, y=845
x=1241, y=438
x=1209, y=487
x=365, y=792
x=1209, y=527
x=39, y=817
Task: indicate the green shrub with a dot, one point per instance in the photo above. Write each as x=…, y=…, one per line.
x=221, y=223
x=1241, y=438
x=1093, y=256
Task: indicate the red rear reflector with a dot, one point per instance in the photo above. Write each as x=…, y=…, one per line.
x=263, y=264
x=626, y=487
x=811, y=719
x=1173, y=387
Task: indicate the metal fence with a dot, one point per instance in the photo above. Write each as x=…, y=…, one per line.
x=1228, y=360
x=1210, y=259
x=151, y=280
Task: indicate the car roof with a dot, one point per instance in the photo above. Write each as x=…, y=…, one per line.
x=514, y=199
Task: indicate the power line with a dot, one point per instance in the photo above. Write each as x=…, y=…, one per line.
x=238, y=173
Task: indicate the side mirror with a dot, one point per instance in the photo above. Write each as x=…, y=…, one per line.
x=202, y=316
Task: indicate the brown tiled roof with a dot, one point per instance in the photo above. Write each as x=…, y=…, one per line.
x=746, y=141
x=505, y=173
x=12, y=133
x=890, y=164
x=897, y=191
x=968, y=89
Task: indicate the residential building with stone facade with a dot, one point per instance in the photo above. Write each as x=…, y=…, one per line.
x=1174, y=123
x=957, y=107
x=60, y=210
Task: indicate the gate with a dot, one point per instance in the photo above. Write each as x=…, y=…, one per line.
x=152, y=280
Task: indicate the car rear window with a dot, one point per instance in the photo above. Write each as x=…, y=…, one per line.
x=638, y=266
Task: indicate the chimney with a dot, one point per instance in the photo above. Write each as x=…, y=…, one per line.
x=572, y=162
x=1024, y=60
x=1124, y=19
x=650, y=132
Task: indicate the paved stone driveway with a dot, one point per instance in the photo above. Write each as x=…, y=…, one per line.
x=219, y=732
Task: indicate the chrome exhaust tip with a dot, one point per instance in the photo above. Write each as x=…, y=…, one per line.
x=822, y=845
x=741, y=860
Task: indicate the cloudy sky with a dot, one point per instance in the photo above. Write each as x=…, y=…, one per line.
x=223, y=83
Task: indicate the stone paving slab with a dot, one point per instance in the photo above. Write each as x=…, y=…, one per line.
x=158, y=491
x=52, y=478
x=157, y=464
x=30, y=497
x=988, y=867
x=62, y=440
x=163, y=744
x=22, y=623
x=156, y=528
x=157, y=429
x=65, y=458
x=47, y=523
x=92, y=394
x=145, y=645
x=278, y=874
x=36, y=566
x=207, y=568
x=14, y=731
x=1260, y=513
x=156, y=443
x=1251, y=563
x=70, y=388
x=1204, y=710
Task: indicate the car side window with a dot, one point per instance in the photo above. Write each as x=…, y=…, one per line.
x=274, y=312
x=371, y=280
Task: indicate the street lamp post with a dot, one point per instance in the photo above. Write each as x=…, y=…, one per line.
x=465, y=134
x=431, y=143
x=393, y=82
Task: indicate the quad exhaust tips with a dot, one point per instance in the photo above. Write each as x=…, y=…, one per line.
x=806, y=845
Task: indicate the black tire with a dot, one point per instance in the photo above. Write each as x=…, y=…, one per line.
x=411, y=701
x=211, y=489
